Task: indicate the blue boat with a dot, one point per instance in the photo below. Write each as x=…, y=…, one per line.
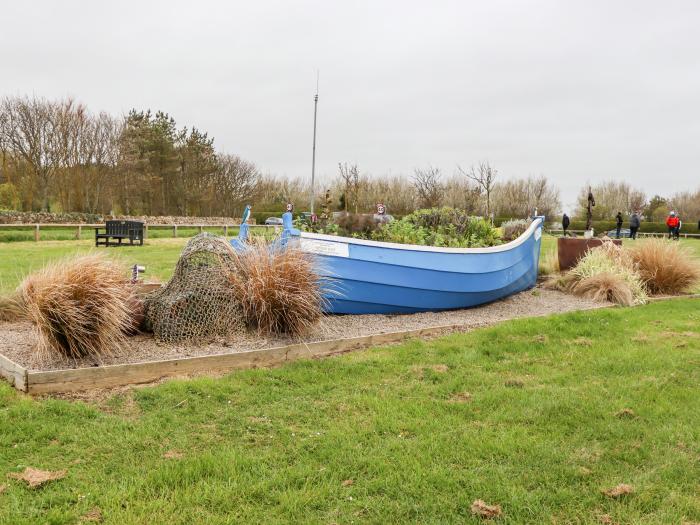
x=371, y=277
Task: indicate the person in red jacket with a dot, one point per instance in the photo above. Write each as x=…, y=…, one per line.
x=674, y=225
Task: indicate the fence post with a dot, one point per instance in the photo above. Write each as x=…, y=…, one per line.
x=225, y=230
x=36, y=233
x=174, y=230
x=79, y=232
x=145, y=232
x=200, y=228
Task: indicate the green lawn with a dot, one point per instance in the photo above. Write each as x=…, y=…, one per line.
x=524, y=415
x=158, y=255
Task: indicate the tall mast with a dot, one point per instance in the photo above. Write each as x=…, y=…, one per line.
x=313, y=155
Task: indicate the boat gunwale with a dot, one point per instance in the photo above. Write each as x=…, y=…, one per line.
x=536, y=223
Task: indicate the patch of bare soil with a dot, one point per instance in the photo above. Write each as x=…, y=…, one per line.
x=18, y=340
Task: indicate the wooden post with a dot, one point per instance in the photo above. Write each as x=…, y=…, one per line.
x=145, y=232
x=174, y=230
x=79, y=232
x=225, y=230
x=200, y=228
x=36, y=233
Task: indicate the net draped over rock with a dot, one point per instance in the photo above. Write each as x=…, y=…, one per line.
x=198, y=301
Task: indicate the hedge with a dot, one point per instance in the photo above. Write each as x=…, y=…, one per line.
x=645, y=227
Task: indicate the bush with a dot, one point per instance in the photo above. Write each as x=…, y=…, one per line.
x=279, y=291
x=439, y=227
x=665, y=266
x=80, y=306
x=514, y=228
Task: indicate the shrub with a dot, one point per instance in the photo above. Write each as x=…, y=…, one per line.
x=356, y=224
x=80, y=306
x=278, y=289
x=439, y=227
x=665, y=266
x=514, y=228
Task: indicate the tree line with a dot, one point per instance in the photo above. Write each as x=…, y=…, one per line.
x=56, y=155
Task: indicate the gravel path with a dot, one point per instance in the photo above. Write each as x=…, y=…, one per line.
x=18, y=341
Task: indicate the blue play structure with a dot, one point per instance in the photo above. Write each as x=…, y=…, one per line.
x=371, y=277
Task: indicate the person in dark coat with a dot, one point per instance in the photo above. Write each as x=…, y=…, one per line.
x=618, y=223
x=565, y=224
x=634, y=225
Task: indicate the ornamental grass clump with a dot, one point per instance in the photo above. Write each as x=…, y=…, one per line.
x=666, y=267
x=278, y=289
x=11, y=308
x=606, y=273
x=81, y=306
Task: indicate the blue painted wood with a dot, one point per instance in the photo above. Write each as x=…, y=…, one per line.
x=386, y=278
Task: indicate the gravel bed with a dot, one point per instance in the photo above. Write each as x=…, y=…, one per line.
x=18, y=340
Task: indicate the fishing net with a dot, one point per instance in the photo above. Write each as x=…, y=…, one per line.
x=198, y=301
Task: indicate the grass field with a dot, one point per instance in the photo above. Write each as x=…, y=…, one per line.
x=57, y=233
x=527, y=415
x=159, y=255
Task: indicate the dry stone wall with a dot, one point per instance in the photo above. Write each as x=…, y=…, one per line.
x=20, y=217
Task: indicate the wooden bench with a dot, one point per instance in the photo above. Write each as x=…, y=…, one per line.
x=119, y=230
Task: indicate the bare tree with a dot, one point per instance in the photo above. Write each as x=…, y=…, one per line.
x=485, y=178
x=428, y=185
x=27, y=128
x=237, y=183
x=352, y=185
x=520, y=197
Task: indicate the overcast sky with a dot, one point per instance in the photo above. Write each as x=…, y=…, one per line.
x=578, y=91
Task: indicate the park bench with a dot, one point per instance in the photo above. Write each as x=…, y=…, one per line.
x=120, y=231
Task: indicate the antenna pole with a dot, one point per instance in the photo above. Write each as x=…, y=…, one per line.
x=313, y=155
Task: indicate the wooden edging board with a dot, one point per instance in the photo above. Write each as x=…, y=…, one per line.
x=71, y=380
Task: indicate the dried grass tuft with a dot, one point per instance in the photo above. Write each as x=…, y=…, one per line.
x=605, y=286
x=80, y=306
x=607, y=273
x=278, y=289
x=11, y=308
x=666, y=267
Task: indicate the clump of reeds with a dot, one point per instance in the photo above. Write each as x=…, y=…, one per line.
x=11, y=308
x=80, y=306
x=665, y=266
x=278, y=289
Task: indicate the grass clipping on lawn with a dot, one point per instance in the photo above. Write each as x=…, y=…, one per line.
x=666, y=267
x=607, y=273
x=81, y=306
x=278, y=289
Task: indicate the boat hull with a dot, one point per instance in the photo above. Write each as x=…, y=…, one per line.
x=369, y=277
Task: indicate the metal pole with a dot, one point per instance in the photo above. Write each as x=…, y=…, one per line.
x=313, y=155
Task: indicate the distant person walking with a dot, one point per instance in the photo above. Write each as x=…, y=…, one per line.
x=565, y=224
x=618, y=224
x=634, y=225
x=674, y=225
